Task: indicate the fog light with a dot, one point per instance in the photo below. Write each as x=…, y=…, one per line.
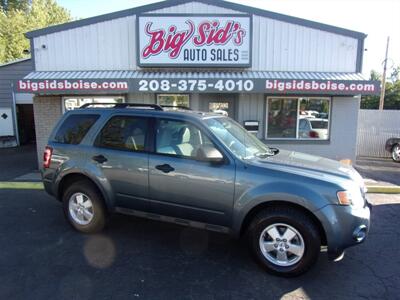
x=360, y=233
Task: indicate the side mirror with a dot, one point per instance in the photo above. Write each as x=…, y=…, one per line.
x=210, y=154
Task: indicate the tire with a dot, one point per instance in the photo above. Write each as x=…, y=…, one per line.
x=396, y=152
x=82, y=221
x=306, y=242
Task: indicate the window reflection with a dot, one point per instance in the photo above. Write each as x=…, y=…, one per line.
x=298, y=118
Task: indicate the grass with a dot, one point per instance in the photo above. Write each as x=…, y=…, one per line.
x=15, y=185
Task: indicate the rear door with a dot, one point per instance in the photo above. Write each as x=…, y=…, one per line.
x=181, y=185
x=121, y=154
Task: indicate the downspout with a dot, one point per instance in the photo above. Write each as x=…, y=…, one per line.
x=14, y=110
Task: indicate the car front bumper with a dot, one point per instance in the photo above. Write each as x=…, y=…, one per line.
x=345, y=226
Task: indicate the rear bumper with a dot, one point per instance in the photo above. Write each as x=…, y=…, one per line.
x=345, y=227
x=48, y=187
x=48, y=183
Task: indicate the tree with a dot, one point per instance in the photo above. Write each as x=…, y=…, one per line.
x=392, y=92
x=395, y=74
x=18, y=17
x=12, y=5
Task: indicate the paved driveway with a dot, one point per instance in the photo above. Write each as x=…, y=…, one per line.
x=17, y=161
x=42, y=257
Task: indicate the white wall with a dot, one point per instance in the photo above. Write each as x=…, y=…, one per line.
x=277, y=45
x=280, y=46
x=106, y=45
x=194, y=7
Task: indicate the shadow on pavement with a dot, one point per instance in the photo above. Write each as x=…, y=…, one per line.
x=42, y=257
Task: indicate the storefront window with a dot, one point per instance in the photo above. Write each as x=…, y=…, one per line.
x=173, y=99
x=298, y=118
x=70, y=103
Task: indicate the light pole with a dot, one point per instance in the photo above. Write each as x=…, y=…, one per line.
x=382, y=98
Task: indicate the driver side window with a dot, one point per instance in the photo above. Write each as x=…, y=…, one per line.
x=179, y=138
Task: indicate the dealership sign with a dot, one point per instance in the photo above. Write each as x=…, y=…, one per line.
x=193, y=40
x=198, y=85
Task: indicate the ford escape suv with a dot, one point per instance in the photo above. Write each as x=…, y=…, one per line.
x=203, y=170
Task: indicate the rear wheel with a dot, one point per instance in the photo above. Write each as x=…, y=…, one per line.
x=284, y=241
x=84, y=207
x=396, y=152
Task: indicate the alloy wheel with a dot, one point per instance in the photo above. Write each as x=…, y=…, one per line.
x=282, y=244
x=81, y=208
x=396, y=152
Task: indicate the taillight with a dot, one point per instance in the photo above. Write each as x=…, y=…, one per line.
x=48, y=151
x=314, y=134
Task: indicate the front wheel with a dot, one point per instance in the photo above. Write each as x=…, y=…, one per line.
x=284, y=240
x=396, y=152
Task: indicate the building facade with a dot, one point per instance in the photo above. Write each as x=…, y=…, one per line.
x=16, y=109
x=295, y=83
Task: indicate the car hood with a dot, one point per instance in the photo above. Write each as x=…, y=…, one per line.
x=308, y=165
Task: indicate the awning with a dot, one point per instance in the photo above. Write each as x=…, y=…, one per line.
x=117, y=82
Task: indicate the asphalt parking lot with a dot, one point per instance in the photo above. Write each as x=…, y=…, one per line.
x=42, y=257
x=379, y=169
x=17, y=161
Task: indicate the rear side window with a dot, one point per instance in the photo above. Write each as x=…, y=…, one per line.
x=124, y=133
x=74, y=129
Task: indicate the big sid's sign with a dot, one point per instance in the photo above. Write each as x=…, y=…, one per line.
x=194, y=40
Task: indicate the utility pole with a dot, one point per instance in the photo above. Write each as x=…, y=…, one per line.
x=382, y=98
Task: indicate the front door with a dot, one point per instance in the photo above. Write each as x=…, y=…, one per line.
x=183, y=187
x=223, y=104
x=120, y=154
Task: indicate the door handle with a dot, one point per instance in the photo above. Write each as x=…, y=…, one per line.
x=99, y=158
x=166, y=168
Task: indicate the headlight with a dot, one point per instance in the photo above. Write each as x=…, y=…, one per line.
x=353, y=198
x=344, y=197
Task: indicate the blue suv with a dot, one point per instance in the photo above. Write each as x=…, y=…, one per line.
x=203, y=170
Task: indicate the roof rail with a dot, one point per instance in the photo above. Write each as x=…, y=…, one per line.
x=176, y=106
x=124, y=105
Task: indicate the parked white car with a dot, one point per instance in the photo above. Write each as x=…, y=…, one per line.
x=220, y=112
x=313, y=128
x=309, y=114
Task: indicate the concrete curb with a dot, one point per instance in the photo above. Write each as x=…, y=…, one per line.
x=383, y=189
x=15, y=185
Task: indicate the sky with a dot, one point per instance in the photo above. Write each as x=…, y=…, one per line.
x=376, y=18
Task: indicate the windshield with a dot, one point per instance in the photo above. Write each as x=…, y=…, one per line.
x=237, y=139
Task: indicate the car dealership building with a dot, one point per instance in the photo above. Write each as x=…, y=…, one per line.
x=296, y=83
